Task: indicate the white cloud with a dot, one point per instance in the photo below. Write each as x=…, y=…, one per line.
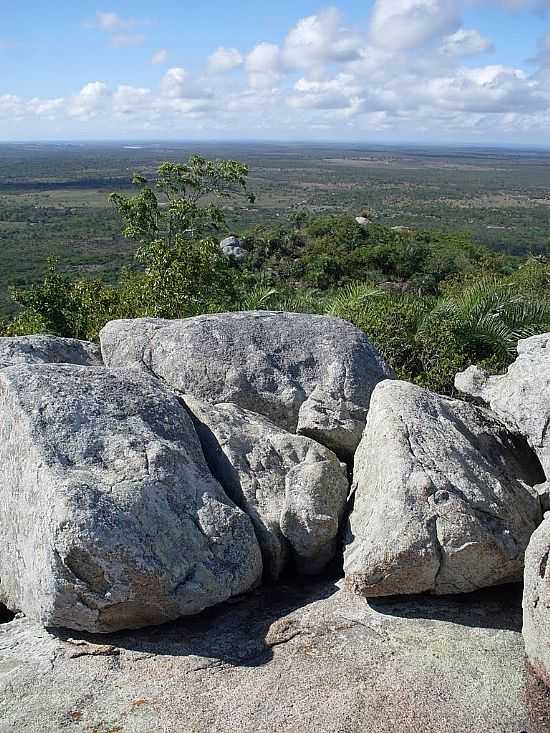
x=264, y=65
x=112, y=22
x=129, y=101
x=334, y=93
x=89, y=102
x=486, y=90
x=408, y=72
x=160, y=57
x=321, y=39
x=465, y=42
x=118, y=28
x=46, y=107
x=177, y=83
x=406, y=24
x=224, y=59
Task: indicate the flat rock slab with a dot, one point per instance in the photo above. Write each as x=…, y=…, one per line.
x=308, y=374
x=291, y=660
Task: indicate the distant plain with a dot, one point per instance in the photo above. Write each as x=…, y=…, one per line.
x=54, y=197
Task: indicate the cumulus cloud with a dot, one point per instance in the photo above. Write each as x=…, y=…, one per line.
x=90, y=101
x=177, y=83
x=465, y=42
x=264, y=65
x=405, y=24
x=412, y=67
x=488, y=89
x=224, y=59
x=336, y=93
x=321, y=39
x=130, y=101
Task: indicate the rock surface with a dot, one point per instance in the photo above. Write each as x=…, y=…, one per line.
x=536, y=602
x=47, y=350
x=294, y=489
x=308, y=374
x=289, y=659
x=522, y=395
x=443, y=497
x=232, y=247
x=111, y=518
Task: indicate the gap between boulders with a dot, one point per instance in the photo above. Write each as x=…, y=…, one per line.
x=5, y=614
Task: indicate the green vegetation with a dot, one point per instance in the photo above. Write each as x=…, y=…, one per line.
x=432, y=302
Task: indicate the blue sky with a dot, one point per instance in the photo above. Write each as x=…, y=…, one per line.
x=426, y=70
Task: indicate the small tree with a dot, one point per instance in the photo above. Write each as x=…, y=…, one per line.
x=184, y=198
x=173, y=220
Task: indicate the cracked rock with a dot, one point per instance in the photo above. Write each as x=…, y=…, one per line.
x=521, y=397
x=309, y=374
x=110, y=516
x=294, y=489
x=444, y=497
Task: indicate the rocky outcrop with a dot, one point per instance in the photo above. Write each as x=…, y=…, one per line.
x=308, y=374
x=536, y=602
x=443, y=497
x=522, y=395
x=110, y=516
x=232, y=247
x=294, y=489
x=47, y=350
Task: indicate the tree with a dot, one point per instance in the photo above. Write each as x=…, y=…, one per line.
x=173, y=220
x=184, y=199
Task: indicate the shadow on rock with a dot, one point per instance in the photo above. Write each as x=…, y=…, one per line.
x=490, y=608
x=241, y=632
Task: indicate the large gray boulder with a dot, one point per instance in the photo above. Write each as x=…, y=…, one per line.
x=536, y=602
x=308, y=374
x=294, y=489
x=521, y=396
x=110, y=516
x=443, y=497
x=47, y=350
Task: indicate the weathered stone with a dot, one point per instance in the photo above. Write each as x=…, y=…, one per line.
x=521, y=397
x=232, y=247
x=444, y=497
x=308, y=374
x=293, y=659
x=536, y=602
x=110, y=516
x=47, y=350
x=294, y=489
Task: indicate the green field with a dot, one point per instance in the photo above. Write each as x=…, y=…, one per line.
x=54, y=197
